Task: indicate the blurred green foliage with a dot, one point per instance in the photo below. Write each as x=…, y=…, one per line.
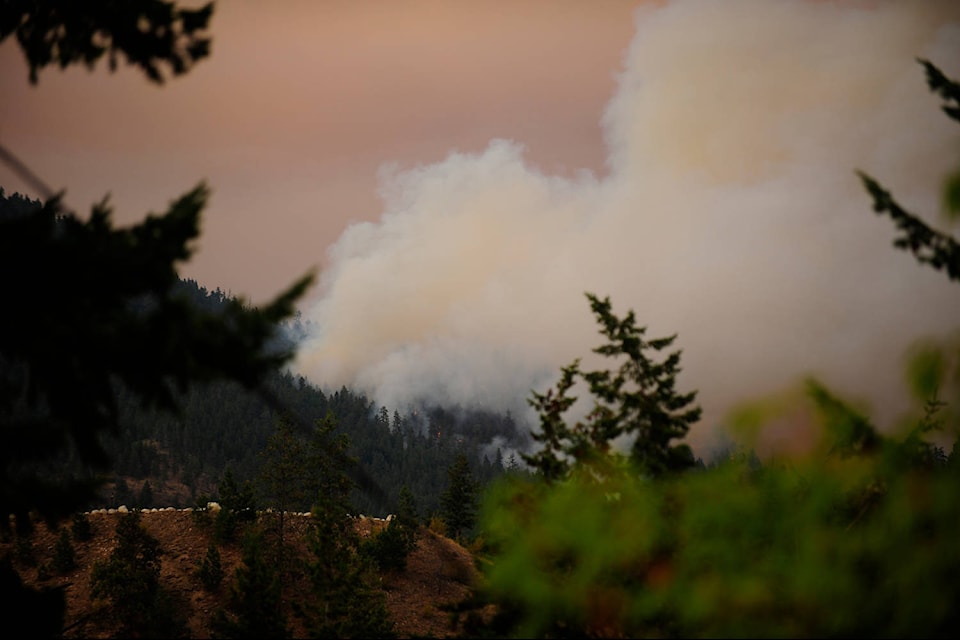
x=839, y=531
x=949, y=92
x=840, y=542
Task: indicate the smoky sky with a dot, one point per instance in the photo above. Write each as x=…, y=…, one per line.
x=299, y=103
x=729, y=214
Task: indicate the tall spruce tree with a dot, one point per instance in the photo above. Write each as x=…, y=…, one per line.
x=637, y=400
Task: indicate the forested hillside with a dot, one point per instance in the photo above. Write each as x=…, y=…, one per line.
x=224, y=426
x=221, y=425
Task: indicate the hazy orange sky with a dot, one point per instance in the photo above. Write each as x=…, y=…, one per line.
x=693, y=160
x=300, y=104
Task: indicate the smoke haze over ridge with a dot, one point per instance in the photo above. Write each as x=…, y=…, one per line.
x=729, y=214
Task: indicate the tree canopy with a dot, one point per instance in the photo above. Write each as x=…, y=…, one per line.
x=930, y=247
x=150, y=34
x=90, y=307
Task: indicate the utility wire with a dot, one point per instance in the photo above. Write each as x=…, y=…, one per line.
x=28, y=176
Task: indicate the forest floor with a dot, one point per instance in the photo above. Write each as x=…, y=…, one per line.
x=440, y=574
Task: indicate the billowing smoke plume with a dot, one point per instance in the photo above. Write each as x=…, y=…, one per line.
x=730, y=214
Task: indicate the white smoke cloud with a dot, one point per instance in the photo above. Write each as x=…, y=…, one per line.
x=730, y=214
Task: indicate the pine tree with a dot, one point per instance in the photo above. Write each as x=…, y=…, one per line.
x=327, y=481
x=210, y=570
x=347, y=601
x=638, y=400
x=458, y=504
x=552, y=459
x=282, y=480
x=407, y=507
x=389, y=547
x=81, y=528
x=236, y=506
x=121, y=493
x=236, y=497
x=129, y=579
x=254, y=606
x=64, y=555
x=145, y=499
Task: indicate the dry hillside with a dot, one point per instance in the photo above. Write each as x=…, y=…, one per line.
x=439, y=573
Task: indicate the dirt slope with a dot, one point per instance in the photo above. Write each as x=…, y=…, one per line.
x=439, y=573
